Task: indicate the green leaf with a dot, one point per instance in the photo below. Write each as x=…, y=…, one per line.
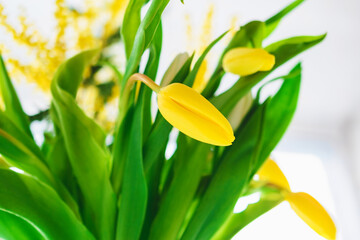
x=39, y=205
x=59, y=163
x=85, y=144
x=132, y=19
x=153, y=175
x=18, y=154
x=228, y=180
x=11, y=101
x=120, y=150
x=20, y=151
x=283, y=51
x=144, y=35
x=191, y=77
x=9, y=126
x=133, y=62
x=154, y=53
x=274, y=21
x=178, y=198
x=280, y=112
x=14, y=227
x=151, y=71
x=134, y=190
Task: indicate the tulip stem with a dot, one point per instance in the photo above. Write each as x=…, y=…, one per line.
x=145, y=79
x=127, y=90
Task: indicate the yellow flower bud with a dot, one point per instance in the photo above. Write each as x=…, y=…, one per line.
x=312, y=213
x=194, y=115
x=246, y=61
x=270, y=172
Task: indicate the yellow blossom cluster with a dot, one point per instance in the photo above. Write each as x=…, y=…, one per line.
x=73, y=33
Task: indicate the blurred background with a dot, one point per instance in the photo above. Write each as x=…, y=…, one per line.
x=320, y=153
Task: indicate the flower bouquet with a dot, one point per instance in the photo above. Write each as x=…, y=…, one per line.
x=96, y=178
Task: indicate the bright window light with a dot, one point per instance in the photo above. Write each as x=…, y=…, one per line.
x=243, y=202
x=16, y=170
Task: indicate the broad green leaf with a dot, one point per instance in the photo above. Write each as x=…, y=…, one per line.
x=283, y=51
x=274, y=21
x=59, y=164
x=85, y=144
x=120, y=151
x=20, y=151
x=153, y=179
x=18, y=155
x=255, y=140
x=251, y=34
x=14, y=227
x=134, y=190
x=132, y=19
x=3, y=163
x=11, y=101
x=177, y=199
x=39, y=205
x=9, y=126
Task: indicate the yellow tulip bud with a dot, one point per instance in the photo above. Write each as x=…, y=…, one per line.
x=270, y=172
x=246, y=61
x=188, y=111
x=312, y=213
x=194, y=115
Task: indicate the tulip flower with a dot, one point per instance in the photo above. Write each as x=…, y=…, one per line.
x=246, y=61
x=270, y=172
x=304, y=205
x=190, y=112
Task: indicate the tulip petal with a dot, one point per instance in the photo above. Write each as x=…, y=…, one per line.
x=194, y=115
x=271, y=172
x=246, y=61
x=269, y=62
x=312, y=213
